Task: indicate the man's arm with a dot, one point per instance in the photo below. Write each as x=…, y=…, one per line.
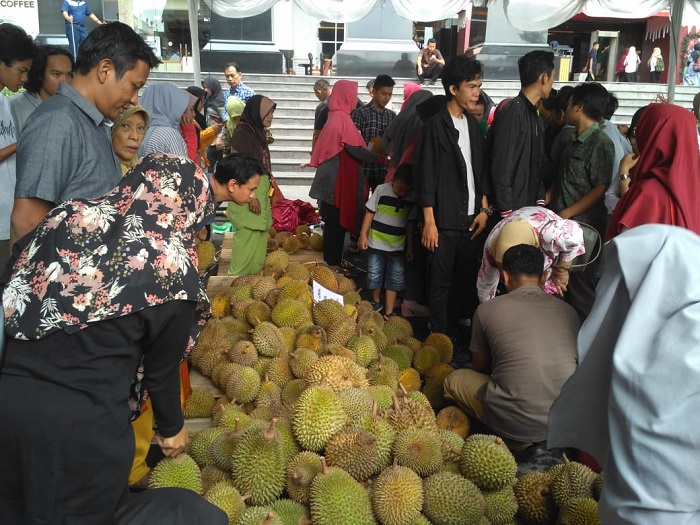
x=585, y=203
x=26, y=215
x=419, y=62
x=8, y=151
x=478, y=346
x=439, y=58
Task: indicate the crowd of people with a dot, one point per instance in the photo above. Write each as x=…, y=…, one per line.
x=484, y=216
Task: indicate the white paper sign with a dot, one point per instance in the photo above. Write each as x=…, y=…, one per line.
x=321, y=293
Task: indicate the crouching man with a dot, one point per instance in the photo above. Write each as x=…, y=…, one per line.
x=523, y=347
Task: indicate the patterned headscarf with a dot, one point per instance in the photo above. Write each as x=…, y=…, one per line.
x=93, y=260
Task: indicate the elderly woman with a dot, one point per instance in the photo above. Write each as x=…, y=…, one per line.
x=127, y=135
x=101, y=286
x=560, y=240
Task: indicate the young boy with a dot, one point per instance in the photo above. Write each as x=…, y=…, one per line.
x=16, y=53
x=385, y=231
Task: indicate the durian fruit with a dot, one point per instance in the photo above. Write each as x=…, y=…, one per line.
x=276, y=262
x=443, y=344
x=418, y=449
x=268, y=339
x=211, y=475
x=292, y=391
x=381, y=429
x=579, y=511
x=257, y=465
x=318, y=414
x=206, y=253
x=283, y=236
x=336, y=497
x=397, y=327
x=412, y=343
x=487, y=462
x=451, y=448
x=303, y=228
x=234, y=325
x=257, y=312
x=291, y=512
x=425, y=358
x=326, y=311
x=231, y=416
x=354, y=450
x=290, y=338
x=290, y=447
x=181, y=472
x=501, y=506
x=533, y=492
x=304, y=240
x=397, y=496
x=403, y=355
x=290, y=312
x=573, y=480
x=220, y=306
x=240, y=306
x=200, y=445
x=291, y=244
x=352, y=298
x=243, y=384
x=259, y=516
x=383, y=395
x=272, y=245
x=409, y=379
x=262, y=287
x=297, y=290
x=316, y=241
x=199, y=404
x=271, y=232
x=450, y=499
x=269, y=395
x=313, y=338
x=222, y=447
x=301, y=360
x=356, y=402
x=243, y=353
x=297, y=272
x=375, y=332
x=411, y=413
x=597, y=487
x=301, y=471
x=342, y=351
x=279, y=371
x=227, y=499
x=383, y=372
x=345, y=285
x=336, y=372
x=342, y=330
x=364, y=348
x=452, y=418
x=325, y=277
x=240, y=290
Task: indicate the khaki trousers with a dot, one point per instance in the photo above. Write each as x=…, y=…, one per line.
x=466, y=388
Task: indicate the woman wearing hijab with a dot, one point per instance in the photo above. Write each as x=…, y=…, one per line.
x=691, y=77
x=128, y=132
x=214, y=104
x=253, y=221
x=234, y=109
x=205, y=135
x=620, y=66
x=664, y=187
x=104, y=290
x=338, y=185
x=633, y=401
x=656, y=65
x=631, y=62
x=408, y=90
x=166, y=104
x=401, y=134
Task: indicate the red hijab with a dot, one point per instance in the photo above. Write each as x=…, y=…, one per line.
x=339, y=129
x=665, y=186
x=409, y=89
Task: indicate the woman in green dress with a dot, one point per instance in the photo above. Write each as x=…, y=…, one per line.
x=252, y=222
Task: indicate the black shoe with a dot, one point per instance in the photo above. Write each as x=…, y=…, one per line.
x=378, y=307
x=528, y=454
x=431, y=83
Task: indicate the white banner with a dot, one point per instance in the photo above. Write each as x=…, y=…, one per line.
x=22, y=13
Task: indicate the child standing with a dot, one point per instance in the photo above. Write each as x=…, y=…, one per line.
x=385, y=232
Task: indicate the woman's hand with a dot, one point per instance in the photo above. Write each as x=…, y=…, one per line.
x=628, y=162
x=174, y=446
x=255, y=206
x=560, y=279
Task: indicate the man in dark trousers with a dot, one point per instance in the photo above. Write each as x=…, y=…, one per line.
x=451, y=189
x=515, y=141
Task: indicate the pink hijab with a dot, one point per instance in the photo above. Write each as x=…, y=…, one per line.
x=339, y=129
x=408, y=90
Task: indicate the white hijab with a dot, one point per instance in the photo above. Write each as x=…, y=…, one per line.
x=634, y=401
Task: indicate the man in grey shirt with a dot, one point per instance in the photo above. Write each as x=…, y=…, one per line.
x=65, y=151
x=523, y=350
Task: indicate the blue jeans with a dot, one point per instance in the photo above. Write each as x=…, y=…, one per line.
x=77, y=32
x=385, y=269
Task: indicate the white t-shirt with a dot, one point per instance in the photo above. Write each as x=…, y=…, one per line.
x=8, y=170
x=465, y=145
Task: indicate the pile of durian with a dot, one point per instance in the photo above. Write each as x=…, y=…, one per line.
x=329, y=418
x=303, y=237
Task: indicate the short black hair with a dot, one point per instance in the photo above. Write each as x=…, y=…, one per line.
x=592, y=97
x=240, y=167
x=595, y=44
x=432, y=41
x=15, y=44
x=232, y=64
x=461, y=68
x=322, y=85
x=118, y=43
x=404, y=173
x=383, y=81
x=35, y=78
x=611, y=106
x=559, y=100
x=524, y=259
x=533, y=64
x=632, y=130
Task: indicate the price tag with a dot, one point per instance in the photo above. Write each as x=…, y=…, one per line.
x=321, y=293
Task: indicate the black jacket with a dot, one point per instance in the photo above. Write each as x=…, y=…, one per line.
x=440, y=172
x=516, y=157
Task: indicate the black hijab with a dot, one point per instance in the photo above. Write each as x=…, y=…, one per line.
x=249, y=136
x=198, y=116
x=216, y=99
x=402, y=131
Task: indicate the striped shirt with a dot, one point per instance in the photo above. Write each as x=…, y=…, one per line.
x=387, y=233
x=164, y=140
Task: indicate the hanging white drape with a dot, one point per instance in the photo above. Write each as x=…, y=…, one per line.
x=630, y=9
x=337, y=10
x=429, y=11
x=240, y=8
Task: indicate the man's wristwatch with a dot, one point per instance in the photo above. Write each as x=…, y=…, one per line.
x=623, y=176
x=487, y=211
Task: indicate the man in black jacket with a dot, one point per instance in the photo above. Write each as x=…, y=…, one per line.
x=451, y=189
x=515, y=142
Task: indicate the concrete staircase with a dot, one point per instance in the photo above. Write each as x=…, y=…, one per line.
x=293, y=123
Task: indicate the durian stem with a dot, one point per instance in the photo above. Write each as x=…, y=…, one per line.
x=324, y=466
